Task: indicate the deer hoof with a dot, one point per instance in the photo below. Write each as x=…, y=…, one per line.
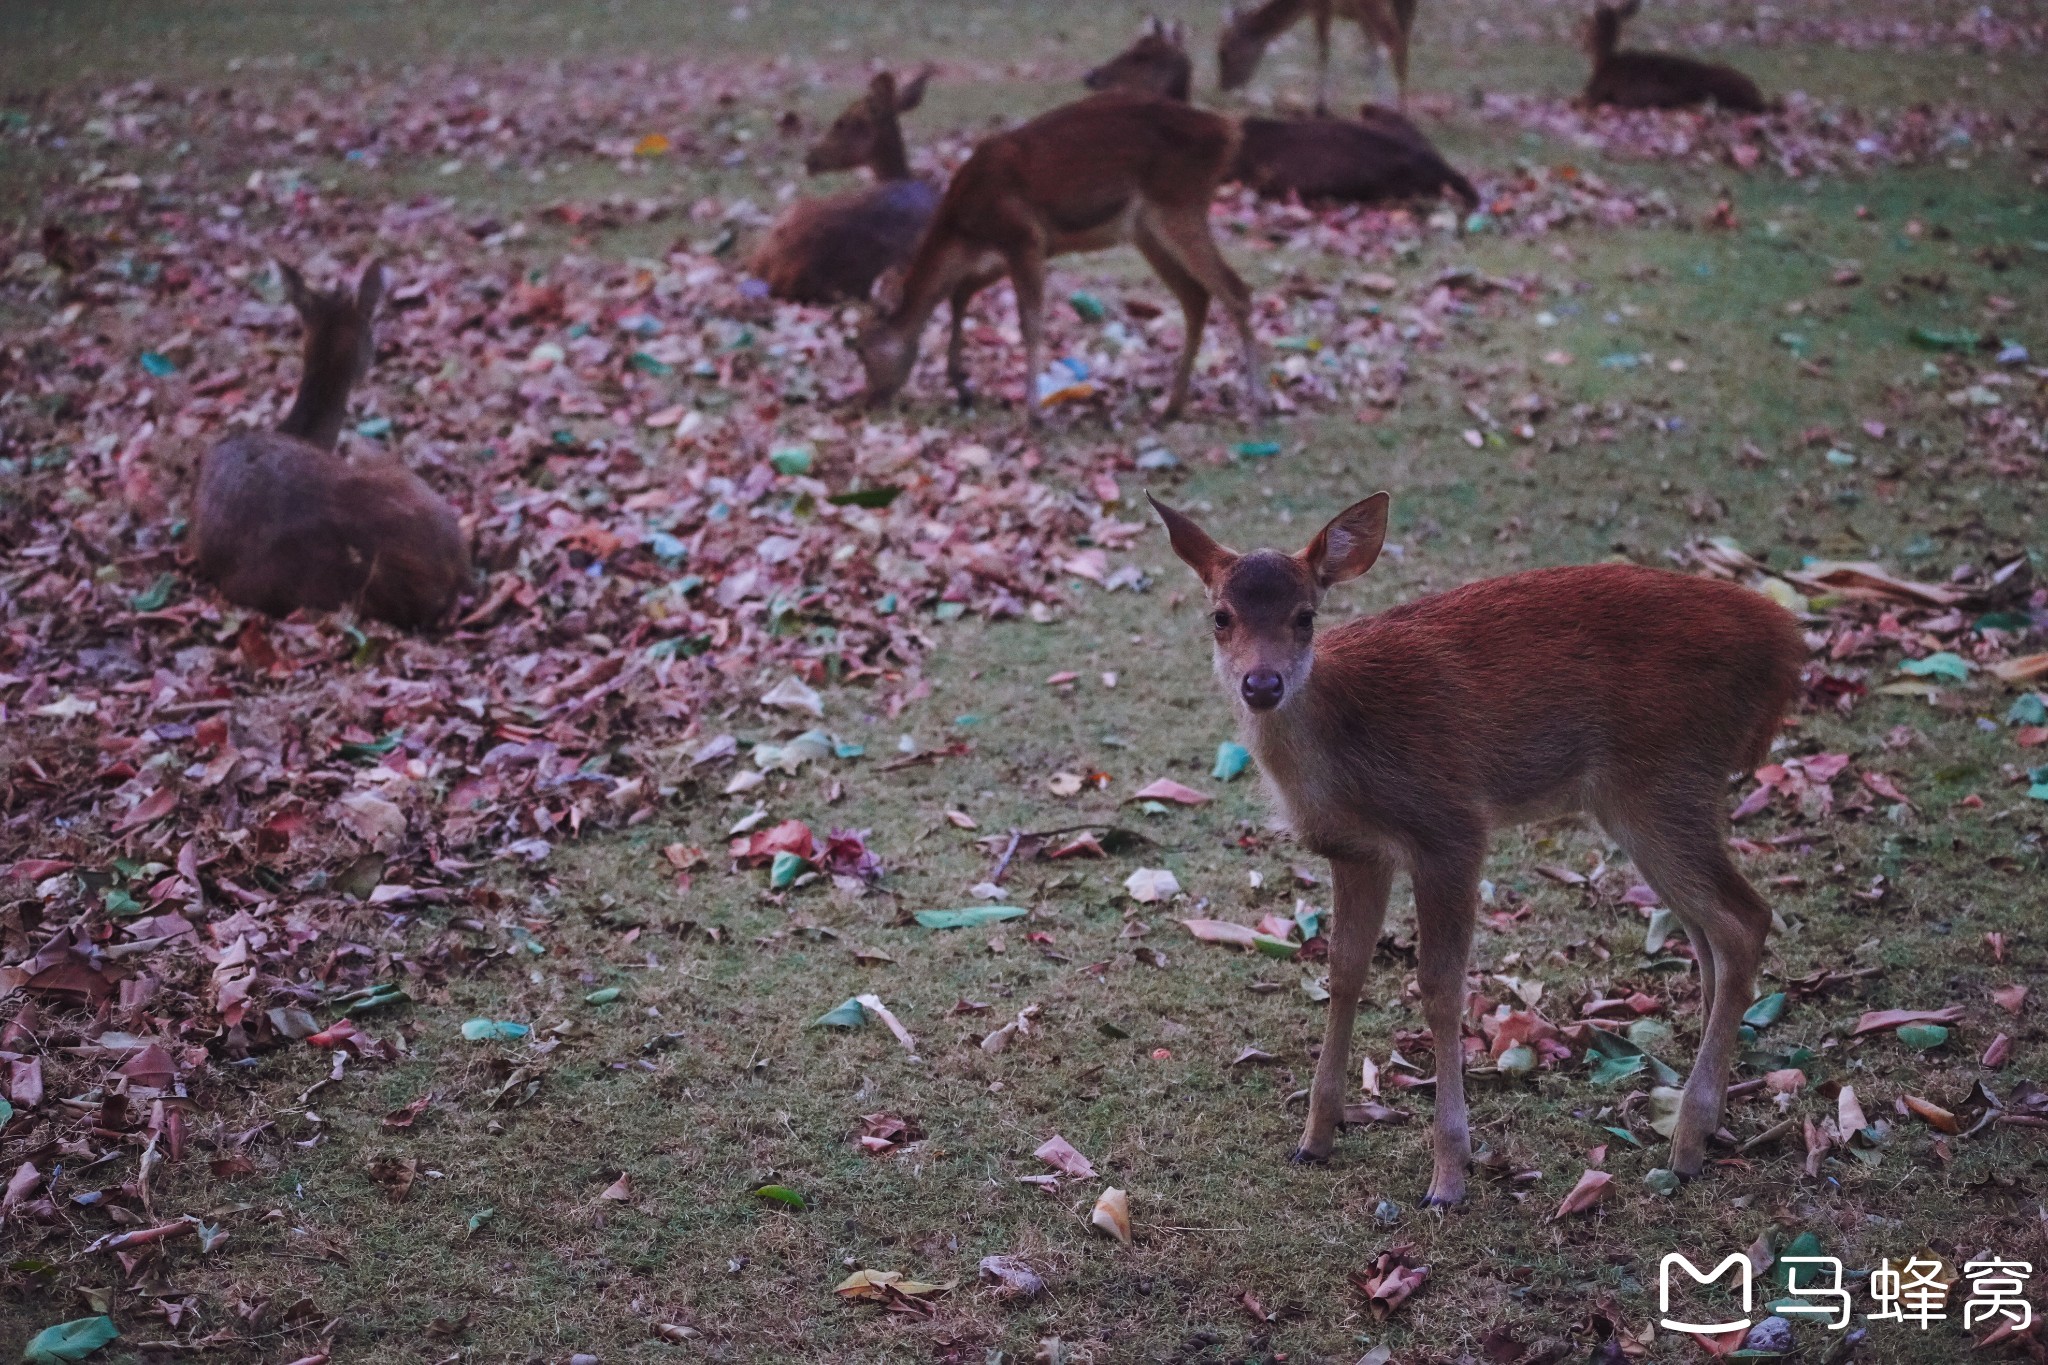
x=1444, y=1199
x=1302, y=1156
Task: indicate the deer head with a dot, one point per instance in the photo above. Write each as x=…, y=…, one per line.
x=866, y=130
x=1262, y=605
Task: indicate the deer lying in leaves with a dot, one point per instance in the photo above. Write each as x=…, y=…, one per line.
x=1385, y=23
x=1380, y=158
x=1111, y=169
x=1399, y=741
x=834, y=248
x=282, y=521
x=1659, y=80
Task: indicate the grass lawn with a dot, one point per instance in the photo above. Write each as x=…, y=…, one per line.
x=1566, y=395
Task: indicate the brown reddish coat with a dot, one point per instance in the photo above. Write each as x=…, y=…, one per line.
x=834, y=248
x=281, y=521
x=1659, y=80
x=1386, y=24
x=1400, y=741
x=1113, y=168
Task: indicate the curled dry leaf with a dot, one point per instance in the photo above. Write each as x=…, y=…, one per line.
x=1390, y=1282
x=1881, y=1021
x=1112, y=1214
x=1937, y=1117
x=1057, y=1152
x=1012, y=1277
x=1149, y=884
x=1166, y=789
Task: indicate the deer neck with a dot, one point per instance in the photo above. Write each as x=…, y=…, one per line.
x=890, y=161
x=321, y=404
x=1272, y=19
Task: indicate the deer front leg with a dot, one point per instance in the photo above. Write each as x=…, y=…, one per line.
x=1322, y=21
x=1027, y=276
x=1358, y=908
x=956, y=339
x=1446, y=904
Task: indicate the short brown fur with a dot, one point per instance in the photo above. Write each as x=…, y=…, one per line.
x=834, y=248
x=281, y=521
x=1400, y=741
x=1385, y=23
x=1659, y=80
x=1110, y=169
x=1381, y=158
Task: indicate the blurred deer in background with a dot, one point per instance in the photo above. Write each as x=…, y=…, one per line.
x=1398, y=742
x=835, y=248
x=1385, y=23
x=1380, y=158
x=1111, y=169
x=281, y=521
x=1659, y=80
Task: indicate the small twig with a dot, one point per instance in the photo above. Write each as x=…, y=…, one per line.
x=1003, y=863
x=1768, y=1136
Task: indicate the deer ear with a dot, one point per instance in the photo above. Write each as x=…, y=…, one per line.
x=1177, y=34
x=295, y=291
x=370, y=290
x=912, y=94
x=882, y=93
x=1351, y=542
x=1193, y=544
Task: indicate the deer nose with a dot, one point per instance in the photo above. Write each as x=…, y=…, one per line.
x=1262, y=691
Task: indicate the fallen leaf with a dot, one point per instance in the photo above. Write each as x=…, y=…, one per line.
x=1166, y=789
x=1112, y=1214
x=1149, y=884
x=1057, y=1152
x=1585, y=1196
x=1878, y=1021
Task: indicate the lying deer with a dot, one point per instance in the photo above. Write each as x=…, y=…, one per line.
x=1381, y=158
x=283, y=522
x=1399, y=741
x=834, y=248
x=1659, y=80
x=1385, y=23
x=1110, y=169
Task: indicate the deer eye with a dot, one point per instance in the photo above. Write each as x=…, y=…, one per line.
x=1222, y=620
x=1304, y=619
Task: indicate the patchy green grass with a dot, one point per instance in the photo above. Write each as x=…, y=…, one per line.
x=703, y=1080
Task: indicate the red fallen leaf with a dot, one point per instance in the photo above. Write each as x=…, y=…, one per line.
x=1080, y=846
x=337, y=1034
x=153, y=807
x=759, y=849
x=846, y=854
x=1884, y=787
x=1585, y=1196
x=408, y=1115
x=71, y=978
x=25, y=1082
x=1058, y=1153
x=1997, y=1052
x=231, y=1167
x=2011, y=999
x=152, y=1067
x=1880, y=1021
x=1252, y=1306
x=1166, y=789
x=33, y=870
x=1725, y=1344
x=1390, y=1282
x=1996, y=942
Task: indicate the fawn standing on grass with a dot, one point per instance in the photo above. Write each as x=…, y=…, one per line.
x=1659, y=80
x=826, y=250
x=1399, y=741
x=1385, y=23
x=1110, y=169
x=282, y=521
x=1379, y=158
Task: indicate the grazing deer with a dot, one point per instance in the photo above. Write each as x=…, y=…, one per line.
x=1380, y=158
x=1110, y=169
x=283, y=522
x=1659, y=80
x=1385, y=23
x=1399, y=741
x=834, y=248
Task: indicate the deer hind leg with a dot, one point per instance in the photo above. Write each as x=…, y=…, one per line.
x=1681, y=853
x=1322, y=22
x=1194, y=308
x=1446, y=905
x=1184, y=234
x=1360, y=895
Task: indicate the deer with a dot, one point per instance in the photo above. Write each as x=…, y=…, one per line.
x=1381, y=157
x=1399, y=742
x=1110, y=169
x=281, y=521
x=834, y=248
x=1385, y=23
x=1659, y=80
